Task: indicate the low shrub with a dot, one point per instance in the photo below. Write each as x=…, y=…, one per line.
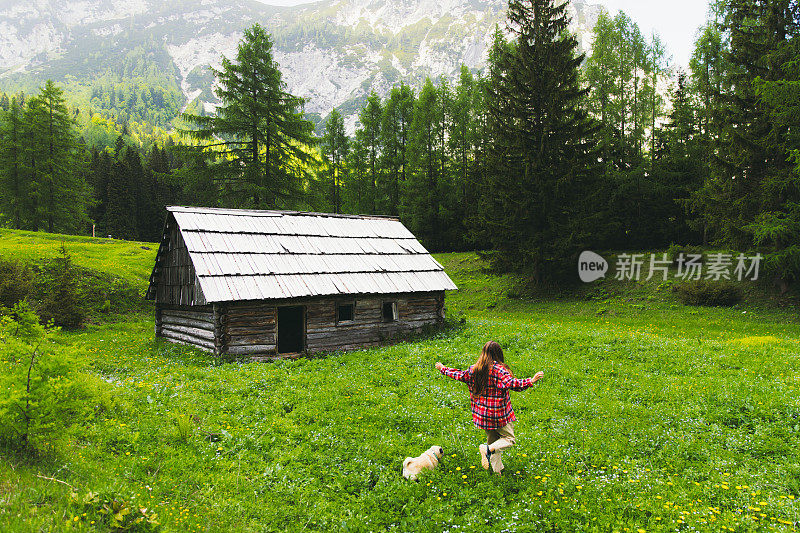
x=65, y=293
x=45, y=395
x=675, y=251
x=702, y=292
x=113, y=512
x=60, y=301
x=15, y=282
x=104, y=293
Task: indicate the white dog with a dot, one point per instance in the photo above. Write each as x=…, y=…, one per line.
x=413, y=466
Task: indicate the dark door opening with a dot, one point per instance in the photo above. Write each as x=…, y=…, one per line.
x=291, y=329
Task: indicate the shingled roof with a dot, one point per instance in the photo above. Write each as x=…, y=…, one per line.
x=257, y=255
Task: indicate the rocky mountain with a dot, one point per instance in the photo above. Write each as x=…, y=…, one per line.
x=332, y=52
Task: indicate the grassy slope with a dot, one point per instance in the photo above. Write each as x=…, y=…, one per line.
x=127, y=259
x=651, y=416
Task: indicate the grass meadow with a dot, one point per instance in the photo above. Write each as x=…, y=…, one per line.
x=652, y=416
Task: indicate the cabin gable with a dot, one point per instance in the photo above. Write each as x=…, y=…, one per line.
x=174, y=280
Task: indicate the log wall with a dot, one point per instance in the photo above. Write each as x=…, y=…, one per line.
x=177, y=283
x=250, y=328
x=191, y=325
x=415, y=311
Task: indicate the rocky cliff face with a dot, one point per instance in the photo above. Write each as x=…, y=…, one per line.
x=332, y=52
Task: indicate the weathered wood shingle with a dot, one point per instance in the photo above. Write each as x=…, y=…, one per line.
x=257, y=255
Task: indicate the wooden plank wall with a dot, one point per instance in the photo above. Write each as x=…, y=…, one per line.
x=191, y=325
x=250, y=328
x=177, y=283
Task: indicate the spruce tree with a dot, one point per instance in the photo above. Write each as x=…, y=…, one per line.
x=369, y=135
x=14, y=188
x=62, y=302
x=422, y=202
x=708, y=66
x=167, y=192
x=54, y=159
x=390, y=182
x=258, y=138
x=336, y=146
x=357, y=191
x=120, y=221
x=776, y=229
x=101, y=172
x=396, y=122
x=543, y=158
x=148, y=223
x=751, y=169
x=461, y=140
x=680, y=167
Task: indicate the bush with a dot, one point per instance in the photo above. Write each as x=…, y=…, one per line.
x=675, y=251
x=104, y=293
x=702, y=292
x=113, y=512
x=15, y=282
x=65, y=293
x=61, y=303
x=43, y=393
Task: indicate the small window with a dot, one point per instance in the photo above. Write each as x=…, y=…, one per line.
x=389, y=311
x=345, y=312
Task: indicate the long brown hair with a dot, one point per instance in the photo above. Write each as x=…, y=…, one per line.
x=491, y=353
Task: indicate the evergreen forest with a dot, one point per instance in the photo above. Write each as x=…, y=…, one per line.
x=545, y=153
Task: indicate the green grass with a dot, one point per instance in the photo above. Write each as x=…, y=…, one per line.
x=130, y=260
x=651, y=416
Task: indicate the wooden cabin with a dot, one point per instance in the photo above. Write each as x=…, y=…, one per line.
x=271, y=283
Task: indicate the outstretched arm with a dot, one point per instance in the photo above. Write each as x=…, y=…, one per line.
x=512, y=383
x=458, y=375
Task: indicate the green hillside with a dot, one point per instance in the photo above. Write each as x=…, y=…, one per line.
x=132, y=261
x=652, y=417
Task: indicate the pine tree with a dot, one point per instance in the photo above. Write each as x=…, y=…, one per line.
x=357, y=190
x=54, y=159
x=336, y=147
x=120, y=219
x=396, y=122
x=461, y=138
x=680, y=167
x=258, y=139
x=422, y=202
x=776, y=229
x=369, y=135
x=14, y=188
x=543, y=159
x=750, y=169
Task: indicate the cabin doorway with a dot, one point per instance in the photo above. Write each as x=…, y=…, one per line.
x=291, y=329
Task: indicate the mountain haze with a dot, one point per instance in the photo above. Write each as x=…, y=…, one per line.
x=333, y=52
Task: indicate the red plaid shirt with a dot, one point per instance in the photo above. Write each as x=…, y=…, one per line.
x=492, y=409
